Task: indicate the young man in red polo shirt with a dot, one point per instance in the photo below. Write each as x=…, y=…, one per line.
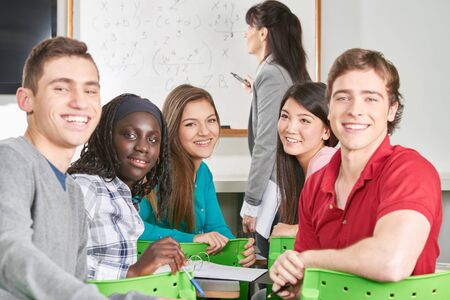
x=375, y=210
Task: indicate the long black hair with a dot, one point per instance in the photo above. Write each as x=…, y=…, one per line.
x=99, y=157
x=290, y=175
x=284, y=36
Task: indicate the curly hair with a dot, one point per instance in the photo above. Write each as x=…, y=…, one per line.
x=99, y=157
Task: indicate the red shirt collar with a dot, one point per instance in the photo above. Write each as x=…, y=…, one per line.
x=378, y=157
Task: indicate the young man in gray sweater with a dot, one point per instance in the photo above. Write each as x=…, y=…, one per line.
x=43, y=231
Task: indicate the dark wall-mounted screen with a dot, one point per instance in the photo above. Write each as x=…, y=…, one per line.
x=23, y=24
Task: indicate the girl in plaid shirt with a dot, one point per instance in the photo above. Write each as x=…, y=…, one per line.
x=126, y=156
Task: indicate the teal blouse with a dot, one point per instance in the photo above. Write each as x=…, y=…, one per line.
x=208, y=216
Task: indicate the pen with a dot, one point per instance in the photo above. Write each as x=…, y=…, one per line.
x=244, y=81
x=283, y=288
x=194, y=283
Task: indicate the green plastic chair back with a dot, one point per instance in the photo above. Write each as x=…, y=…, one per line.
x=277, y=245
x=331, y=285
x=229, y=256
x=166, y=285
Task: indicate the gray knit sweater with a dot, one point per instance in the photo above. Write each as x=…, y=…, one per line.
x=43, y=231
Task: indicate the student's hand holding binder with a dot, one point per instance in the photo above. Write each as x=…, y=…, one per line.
x=166, y=251
x=215, y=240
x=249, y=254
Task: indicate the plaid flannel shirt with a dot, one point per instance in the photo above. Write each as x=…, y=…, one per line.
x=114, y=226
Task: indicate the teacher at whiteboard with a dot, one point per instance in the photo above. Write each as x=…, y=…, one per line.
x=274, y=37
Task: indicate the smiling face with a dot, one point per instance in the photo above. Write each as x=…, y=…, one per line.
x=137, y=139
x=199, y=130
x=360, y=110
x=301, y=132
x=66, y=107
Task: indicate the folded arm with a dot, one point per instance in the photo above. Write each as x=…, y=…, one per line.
x=389, y=255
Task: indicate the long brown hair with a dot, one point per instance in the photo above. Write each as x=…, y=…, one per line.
x=181, y=200
x=290, y=175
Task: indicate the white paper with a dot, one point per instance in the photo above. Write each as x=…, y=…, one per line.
x=204, y=269
x=267, y=210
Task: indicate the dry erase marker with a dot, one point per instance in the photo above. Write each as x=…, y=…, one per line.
x=244, y=81
x=194, y=283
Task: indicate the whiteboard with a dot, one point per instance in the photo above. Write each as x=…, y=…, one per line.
x=148, y=47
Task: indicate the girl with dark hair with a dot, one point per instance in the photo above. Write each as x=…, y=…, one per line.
x=193, y=214
x=305, y=144
x=274, y=37
x=126, y=157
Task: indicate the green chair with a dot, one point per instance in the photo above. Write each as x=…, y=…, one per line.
x=167, y=285
x=229, y=256
x=331, y=285
x=277, y=245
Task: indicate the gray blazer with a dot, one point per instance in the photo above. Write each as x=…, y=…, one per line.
x=269, y=87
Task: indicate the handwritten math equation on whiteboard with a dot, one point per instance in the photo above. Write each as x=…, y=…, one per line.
x=168, y=42
x=148, y=47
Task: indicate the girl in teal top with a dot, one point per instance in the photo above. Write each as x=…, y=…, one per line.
x=208, y=216
x=193, y=212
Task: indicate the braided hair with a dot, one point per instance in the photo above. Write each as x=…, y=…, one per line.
x=99, y=157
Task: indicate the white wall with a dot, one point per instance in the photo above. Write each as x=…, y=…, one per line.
x=12, y=119
x=414, y=36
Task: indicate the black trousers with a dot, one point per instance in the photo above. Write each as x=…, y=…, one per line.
x=262, y=242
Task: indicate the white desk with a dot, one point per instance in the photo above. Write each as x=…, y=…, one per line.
x=229, y=185
x=230, y=172
x=231, y=176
